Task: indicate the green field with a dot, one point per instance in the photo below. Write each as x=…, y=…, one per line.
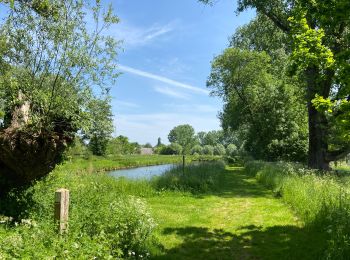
x=211, y=212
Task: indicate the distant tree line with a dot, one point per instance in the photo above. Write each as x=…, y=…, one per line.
x=184, y=140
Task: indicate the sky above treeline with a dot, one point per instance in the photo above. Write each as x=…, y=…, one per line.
x=165, y=61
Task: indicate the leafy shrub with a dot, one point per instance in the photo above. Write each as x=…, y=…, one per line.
x=173, y=148
x=219, y=149
x=208, y=150
x=231, y=150
x=197, y=149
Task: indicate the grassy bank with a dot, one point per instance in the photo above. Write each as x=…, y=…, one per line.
x=321, y=200
x=100, y=164
x=212, y=212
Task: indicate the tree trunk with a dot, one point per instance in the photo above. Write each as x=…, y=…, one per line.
x=26, y=154
x=317, y=140
x=25, y=157
x=318, y=146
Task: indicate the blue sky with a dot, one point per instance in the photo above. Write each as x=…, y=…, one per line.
x=165, y=61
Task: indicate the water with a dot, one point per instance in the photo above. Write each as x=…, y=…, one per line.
x=142, y=172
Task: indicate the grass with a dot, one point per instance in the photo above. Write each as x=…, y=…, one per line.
x=101, y=164
x=240, y=220
x=211, y=212
x=321, y=200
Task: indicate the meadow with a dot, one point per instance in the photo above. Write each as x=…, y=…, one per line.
x=212, y=211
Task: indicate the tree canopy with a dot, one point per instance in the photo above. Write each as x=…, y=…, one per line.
x=54, y=80
x=184, y=135
x=317, y=52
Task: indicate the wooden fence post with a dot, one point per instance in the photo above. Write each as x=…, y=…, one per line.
x=61, y=209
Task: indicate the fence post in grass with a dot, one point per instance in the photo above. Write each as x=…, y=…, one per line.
x=183, y=164
x=61, y=209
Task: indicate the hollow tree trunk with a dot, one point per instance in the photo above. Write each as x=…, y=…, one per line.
x=26, y=154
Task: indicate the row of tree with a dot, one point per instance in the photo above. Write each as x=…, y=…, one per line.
x=184, y=140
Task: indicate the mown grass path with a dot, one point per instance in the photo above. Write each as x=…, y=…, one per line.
x=241, y=221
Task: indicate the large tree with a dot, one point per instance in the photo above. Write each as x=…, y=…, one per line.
x=101, y=129
x=319, y=31
x=263, y=106
x=183, y=135
x=52, y=69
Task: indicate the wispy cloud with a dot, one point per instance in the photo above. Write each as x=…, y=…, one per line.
x=193, y=108
x=134, y=36
x=166, y=80
x=170, y=92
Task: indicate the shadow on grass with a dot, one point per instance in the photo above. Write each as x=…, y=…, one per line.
x=235, y=183
x=277, y=242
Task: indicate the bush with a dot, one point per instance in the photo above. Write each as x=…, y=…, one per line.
x=208, y=150
x=320, y=199
x=231, y=150
x=197, y=149
x=106, y=220
x=199, y=177
x=173, y=148
x=219, y=149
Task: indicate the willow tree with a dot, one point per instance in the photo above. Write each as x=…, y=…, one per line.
x=53, y=68
x=319, y=33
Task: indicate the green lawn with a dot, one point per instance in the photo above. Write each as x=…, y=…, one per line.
x=242, y=221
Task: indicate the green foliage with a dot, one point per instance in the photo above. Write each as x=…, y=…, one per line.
x=114, y=224
x=267, y=109
x=308, y=47
x=159, y=149
x=321, y=201
x=56, y=65
x=208, y=150
x=121, y=146
x=77, y=149
x=231, y=150
x=338, y=114
x=183, y=135
x=175, y=148
x=42, y=7
x=219, y=149
x=197, y=149
x=102, y=126
x=211, y=137
x=198, y=178
x=313, y=37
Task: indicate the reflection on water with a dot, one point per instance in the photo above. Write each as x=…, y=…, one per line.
x=142, y=172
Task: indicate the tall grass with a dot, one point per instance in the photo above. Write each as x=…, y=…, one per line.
x=321, y=200
x=109, y=163
x=108, y=220
x=196, y=178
